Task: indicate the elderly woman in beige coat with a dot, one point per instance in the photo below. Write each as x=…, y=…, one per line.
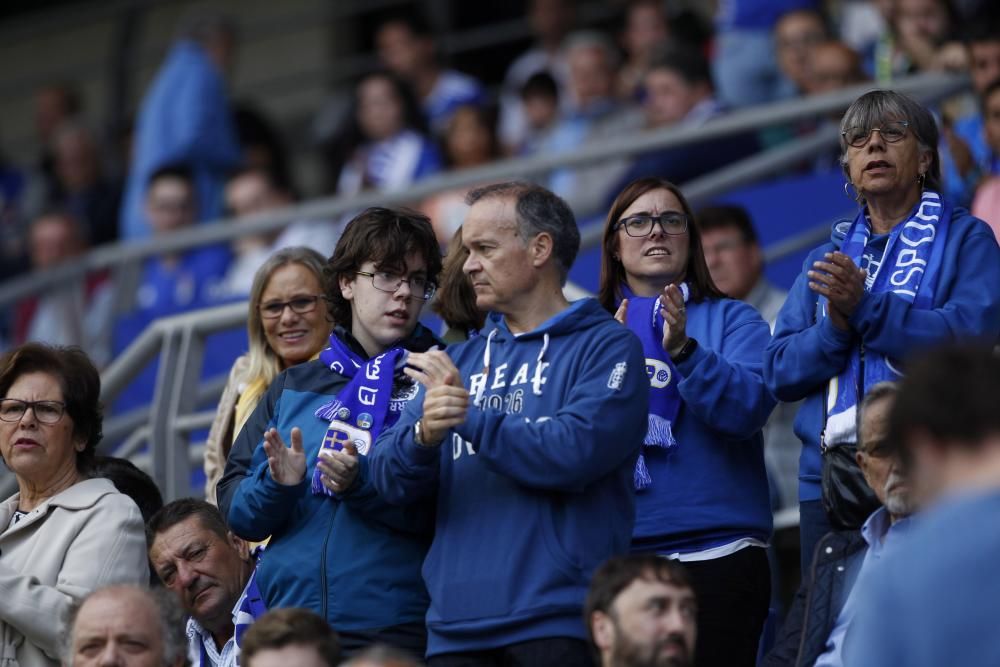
x=63, y=534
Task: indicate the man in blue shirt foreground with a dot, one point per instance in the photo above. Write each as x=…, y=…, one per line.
x=932, y=599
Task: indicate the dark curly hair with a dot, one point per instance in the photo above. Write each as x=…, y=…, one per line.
x=80, y=383
x=384, y=236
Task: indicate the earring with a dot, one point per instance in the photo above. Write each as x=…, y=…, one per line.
x=921, y=179
x=856, y=196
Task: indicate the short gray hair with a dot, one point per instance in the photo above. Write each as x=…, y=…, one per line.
x=881, y=391
x=592, y=39
x=173, y=624
x=878, y=106
x=538, y=211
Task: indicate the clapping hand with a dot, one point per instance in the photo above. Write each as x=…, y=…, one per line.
x=287, y=464
x=339, y=467
x=838, y=279
x=447, y=400
x=675, y=319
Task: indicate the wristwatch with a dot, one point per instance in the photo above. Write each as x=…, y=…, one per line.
x=418, y=435
x=690, y=345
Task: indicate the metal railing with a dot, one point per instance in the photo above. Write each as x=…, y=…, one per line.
x=928, y=88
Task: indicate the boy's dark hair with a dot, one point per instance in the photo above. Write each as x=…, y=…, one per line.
x=951, y=394
x=724, y=216
x=384, y=236
x=279, y=628
x=177, y=170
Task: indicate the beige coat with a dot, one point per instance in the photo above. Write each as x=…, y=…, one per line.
x=81, y=539
x=221, y=436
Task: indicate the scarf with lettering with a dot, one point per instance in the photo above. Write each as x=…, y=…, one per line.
x=643, y=317
x=360, y=411
x=909, y=269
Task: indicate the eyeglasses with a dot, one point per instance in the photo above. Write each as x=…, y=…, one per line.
x=300, y=304
x=672, y=223
x=46, y=412
x=390, y=282
x=891, y=132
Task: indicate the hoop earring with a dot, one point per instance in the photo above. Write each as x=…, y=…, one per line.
x=856, y=196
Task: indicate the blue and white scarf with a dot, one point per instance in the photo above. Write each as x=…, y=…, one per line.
x=909, y=268
x=643, y=318
x=361, y=409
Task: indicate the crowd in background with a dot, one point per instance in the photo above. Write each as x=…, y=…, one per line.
x=720, y=453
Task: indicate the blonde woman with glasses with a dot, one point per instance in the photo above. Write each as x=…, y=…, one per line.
x=288, y=323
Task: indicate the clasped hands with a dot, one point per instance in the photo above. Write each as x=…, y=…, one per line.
x=674, y=314
x=446, y=402
x=839, y=279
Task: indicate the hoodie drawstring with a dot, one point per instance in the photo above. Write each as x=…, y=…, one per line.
x=536, y=380
x=486, y=370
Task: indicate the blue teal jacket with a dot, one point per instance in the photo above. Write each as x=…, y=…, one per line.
x=355, y=559
x=535, y=488
x=806, y=351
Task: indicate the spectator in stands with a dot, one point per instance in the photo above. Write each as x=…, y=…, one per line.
x=406, y=48
x=288, y=324
x=921, y=39
x=126, y=626
x=382, y=656
x=594, y=114
x=986, y=205
x=930, y=603
x=701, y=487
x=972, y=156
x=641, y=611
x=210, y=570
x=14, y=187
x=456, y=300
x=550, y=21
x=469, y=141
x=185, y=118
x=80, y=185
x=540, y=109
x=176, y=282
x=62, y=533
x=527, y=436
x=744, y=66
x=824, y=607
x=833, y=65
x=339, y=548
x=285, y=637
x=56, y=104
x=383, y=143
x=679, y=92
x=263, y=146
x=75, y=313
x=864, y=293
x=255, y=190
x=796, y=34
x=736, y=264
x=645, y=31
x=131, y=481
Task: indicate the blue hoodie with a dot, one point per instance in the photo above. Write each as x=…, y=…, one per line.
x=535, y=487
x=711, y=489
x=806, y=352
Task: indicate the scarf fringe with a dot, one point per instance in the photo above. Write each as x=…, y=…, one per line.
x=659, y=432
x=327, y=411
x=641, y=477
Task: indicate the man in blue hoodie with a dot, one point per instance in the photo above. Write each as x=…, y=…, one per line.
x=528, y=434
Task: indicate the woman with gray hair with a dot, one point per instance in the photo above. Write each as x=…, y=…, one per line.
x=909, y=271
x=288, y=323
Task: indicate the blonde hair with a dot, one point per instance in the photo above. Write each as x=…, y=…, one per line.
x=263, y=364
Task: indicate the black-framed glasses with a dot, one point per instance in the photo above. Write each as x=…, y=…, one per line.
x=46, y=412
x=300, y=304
x=384, y=281
x=891, y=132
x=672, y=223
